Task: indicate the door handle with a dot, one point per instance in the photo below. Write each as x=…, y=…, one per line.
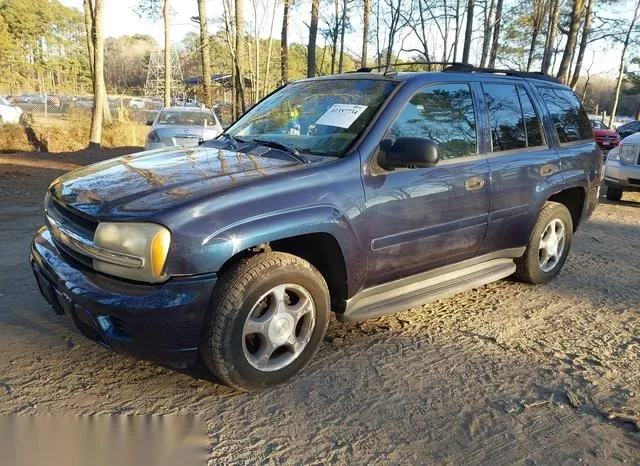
x=474, y=183
x=547, y=169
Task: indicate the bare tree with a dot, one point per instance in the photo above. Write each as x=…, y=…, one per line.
x=537, y=19
x=239, y=55
x=552, y=30
x=493, y=55
x=88, y=25
x=205, y=53
x=584, y=40
x=572, y=38
x=313, y=35
x=488, y=30
x=269, y=47
x=343, y=25
x=468, y=31
x=167, y=53
x=623, y=56
x=284, y=45
x=365, y=31
x=99, y=94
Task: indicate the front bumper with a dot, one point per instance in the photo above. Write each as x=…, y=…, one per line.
x=161, y=322
x=622, y=176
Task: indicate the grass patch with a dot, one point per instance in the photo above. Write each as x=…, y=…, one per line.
x=69, y=135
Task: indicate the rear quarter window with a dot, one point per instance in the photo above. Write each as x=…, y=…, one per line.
x=569, y=118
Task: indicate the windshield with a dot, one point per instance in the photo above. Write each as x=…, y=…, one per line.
x=597, y=124
x=169, y=117
x=321, y=117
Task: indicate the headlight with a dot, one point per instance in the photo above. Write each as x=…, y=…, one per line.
x=613, y=155
x=142, y=248
x=628, y=153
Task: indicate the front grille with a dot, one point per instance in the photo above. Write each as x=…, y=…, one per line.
x=72, y=220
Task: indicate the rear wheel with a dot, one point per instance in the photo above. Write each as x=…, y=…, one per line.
x=614, y=194
x=548, y=246
x=269, y=315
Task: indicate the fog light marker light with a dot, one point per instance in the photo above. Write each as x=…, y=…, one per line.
x=105, y=323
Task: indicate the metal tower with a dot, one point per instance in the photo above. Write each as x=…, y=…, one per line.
x=154, y=87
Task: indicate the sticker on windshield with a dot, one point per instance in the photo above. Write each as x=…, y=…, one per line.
x=341, y=115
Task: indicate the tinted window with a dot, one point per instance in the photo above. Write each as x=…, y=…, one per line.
x=572, y=123
x=505, y=115
x=443, y=113
x=531, y=119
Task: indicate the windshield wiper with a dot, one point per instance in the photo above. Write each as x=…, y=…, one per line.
x=293, y=152
x=234, y=141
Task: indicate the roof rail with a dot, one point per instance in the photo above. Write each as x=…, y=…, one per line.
x=460, y=67
x=465, y=68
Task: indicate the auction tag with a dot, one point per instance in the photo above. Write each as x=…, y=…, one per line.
x=341, y=115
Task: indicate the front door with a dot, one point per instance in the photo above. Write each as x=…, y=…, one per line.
x=423, y=218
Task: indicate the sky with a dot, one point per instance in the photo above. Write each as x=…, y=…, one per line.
x=120, y=19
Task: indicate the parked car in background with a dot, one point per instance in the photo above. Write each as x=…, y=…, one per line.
x=9, y=113
x=361, y=194
x=628, y=129
x=177, y=126
x=606, y=138
x=138, y=103
x=622, y=170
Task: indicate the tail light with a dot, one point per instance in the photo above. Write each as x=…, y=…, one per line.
x=153, y=136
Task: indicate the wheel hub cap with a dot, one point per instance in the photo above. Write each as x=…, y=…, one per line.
x=551, y=246
x=279, y=327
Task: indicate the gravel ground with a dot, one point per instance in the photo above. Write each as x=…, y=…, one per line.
x=504, y=374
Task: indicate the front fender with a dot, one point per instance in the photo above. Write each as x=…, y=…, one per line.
x=223, y=244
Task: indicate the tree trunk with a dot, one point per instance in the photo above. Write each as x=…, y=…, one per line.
x=284, y=46
x=549, y=43
x=334, y=37
x=457, y=33
x=623, y=57
x=239, y=42
x=268, y=66
x=167, y=53
x=572, y=38
x=99, y=94
x=205, y=53
x=313, y=35
x=488, y=29
x=468, y=31
x=584, y=41
x=88, y=26
x=343, y=25
x=496, y=35
x=532, y=48
x=365, y=32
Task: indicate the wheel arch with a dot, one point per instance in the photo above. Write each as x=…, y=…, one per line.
x=573, y=198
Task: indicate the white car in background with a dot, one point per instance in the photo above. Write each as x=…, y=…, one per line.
x=180, y=126
x=9, y=113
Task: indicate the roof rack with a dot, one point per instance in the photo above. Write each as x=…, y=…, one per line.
x=465, y=68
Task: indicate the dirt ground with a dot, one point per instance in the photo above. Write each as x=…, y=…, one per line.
x=504, y=374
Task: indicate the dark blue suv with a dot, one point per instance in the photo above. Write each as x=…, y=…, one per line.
x=363, y=194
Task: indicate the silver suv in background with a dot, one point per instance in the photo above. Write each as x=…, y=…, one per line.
x=179, y=126
x=622, y=170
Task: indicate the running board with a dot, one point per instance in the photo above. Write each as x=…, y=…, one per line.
x=404, y=294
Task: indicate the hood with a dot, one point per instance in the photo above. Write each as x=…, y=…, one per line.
x=600, y=133
x=155, y=180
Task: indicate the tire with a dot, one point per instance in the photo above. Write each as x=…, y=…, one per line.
x=246, y=297
x=614, y=194
x=531, y=267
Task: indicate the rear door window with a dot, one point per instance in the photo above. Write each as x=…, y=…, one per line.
x=570, y=120
x=514, y=121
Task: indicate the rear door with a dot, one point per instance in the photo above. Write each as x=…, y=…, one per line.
x=422, y=218
x=522, y=162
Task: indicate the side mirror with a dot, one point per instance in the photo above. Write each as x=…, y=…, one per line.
x=411, y=152
x=149, y=122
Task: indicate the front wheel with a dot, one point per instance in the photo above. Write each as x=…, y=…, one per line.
x=269, y=315
x=548, y=246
